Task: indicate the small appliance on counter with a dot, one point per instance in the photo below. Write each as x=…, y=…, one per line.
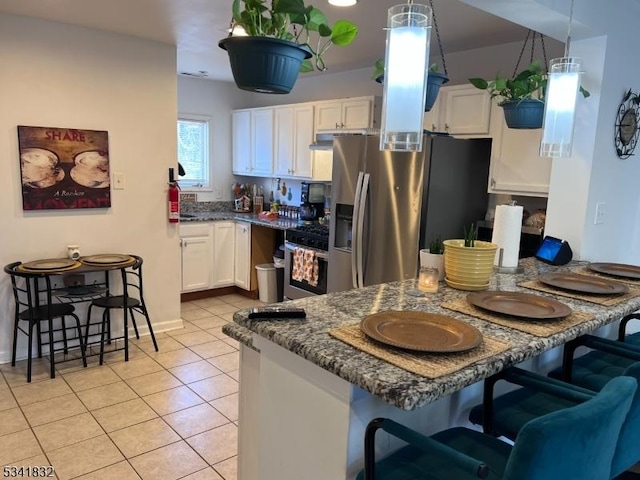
x=311, y=201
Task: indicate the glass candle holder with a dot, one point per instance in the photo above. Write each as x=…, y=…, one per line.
x=428, y=279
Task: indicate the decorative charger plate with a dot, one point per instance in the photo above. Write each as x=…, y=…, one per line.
x=107, y=259
x=583, y=283
x=421, y=331
x=616, y=269
x=50, y=264
x=519, y=304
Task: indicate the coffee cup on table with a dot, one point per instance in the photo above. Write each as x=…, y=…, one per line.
x=73, y=252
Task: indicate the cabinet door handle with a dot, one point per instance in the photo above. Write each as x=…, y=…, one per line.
x=337, y=125
x=433, y=127
x=493, y=183
x=342, y=125
x=446, y=127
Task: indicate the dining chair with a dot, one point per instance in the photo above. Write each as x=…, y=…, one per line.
x=507, y=414
x=577, y=442
x=34, y=306
x=131, y=300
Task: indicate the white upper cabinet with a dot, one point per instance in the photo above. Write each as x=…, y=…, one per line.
x=461, y=110
x=253, y=141
x=345, y=113
x=262, y=141
x=293, y=135
x=516, y=166
x=466, y=110
x=241, y=125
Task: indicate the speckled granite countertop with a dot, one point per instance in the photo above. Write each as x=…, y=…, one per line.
x=280, y=223
x=309, y=339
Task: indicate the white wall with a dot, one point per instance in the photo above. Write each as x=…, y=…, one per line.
x=63, y=76
x=216, y=100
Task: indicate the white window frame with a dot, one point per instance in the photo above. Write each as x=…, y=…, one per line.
x=205, y=184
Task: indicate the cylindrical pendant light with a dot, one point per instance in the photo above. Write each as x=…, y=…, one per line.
x=405, y=77
x=560, y=106
x=343, y=3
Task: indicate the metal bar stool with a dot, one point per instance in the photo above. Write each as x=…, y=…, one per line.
x=131, y=300
x=29, y=308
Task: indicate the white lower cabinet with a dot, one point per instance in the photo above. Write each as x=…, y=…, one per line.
x=223, y=254
x=196, y=243
x=242, y=271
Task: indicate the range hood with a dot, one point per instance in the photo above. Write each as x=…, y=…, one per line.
x=324, y=138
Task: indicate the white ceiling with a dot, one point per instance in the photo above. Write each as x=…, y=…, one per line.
x=196, y=26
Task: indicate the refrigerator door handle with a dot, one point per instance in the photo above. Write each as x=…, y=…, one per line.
x=360, y=241
x=354, y=230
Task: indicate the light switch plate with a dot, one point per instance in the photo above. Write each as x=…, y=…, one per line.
x=601, y=212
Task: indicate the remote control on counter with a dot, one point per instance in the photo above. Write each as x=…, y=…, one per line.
x=277, y=312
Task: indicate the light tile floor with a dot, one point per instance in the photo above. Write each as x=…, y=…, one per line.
x=160, y=416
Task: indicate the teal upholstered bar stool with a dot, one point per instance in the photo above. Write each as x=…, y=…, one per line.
x=507, y=414
x=578, y=442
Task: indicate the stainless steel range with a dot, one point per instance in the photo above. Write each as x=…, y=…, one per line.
x=315, y=237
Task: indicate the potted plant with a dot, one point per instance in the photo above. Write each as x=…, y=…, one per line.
x=522, y=97
x=434, y=256
x=435, y=80
x=278, y=42
x=468, y=262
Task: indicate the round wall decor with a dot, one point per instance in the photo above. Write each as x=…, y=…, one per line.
x=627, y=125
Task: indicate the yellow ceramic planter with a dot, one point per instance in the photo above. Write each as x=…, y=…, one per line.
x=469, y=267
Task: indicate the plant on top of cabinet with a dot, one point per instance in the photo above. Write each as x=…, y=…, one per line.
x=521, y=97
x=278, y=42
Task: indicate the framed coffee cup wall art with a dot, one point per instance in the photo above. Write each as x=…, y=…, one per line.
x=64, y=168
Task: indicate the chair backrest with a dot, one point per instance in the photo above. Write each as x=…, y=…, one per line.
x=628, y=448
x=132, y=276
x=573, y=443
x=26, y=293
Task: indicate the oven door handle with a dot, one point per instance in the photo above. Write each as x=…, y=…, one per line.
x=319, y=253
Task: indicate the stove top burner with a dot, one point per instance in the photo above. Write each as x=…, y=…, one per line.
x=310, y=235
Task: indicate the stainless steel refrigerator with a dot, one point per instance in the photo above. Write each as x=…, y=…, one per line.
x=386, y=206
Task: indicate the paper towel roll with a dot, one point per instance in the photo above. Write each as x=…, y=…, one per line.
x=507, y=228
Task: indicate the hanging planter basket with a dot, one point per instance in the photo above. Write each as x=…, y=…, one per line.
x=264, y=64
x=434, y=82
x=524, y=114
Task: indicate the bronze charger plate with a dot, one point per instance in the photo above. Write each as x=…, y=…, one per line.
x=421, y=331
x=616, y=269
x=519, y=304
x=106, y=259
x=50, y=264
x=583, y=283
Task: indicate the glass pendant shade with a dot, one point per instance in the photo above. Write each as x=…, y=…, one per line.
x=405, y=77
x=560, y=106
x=343, y=3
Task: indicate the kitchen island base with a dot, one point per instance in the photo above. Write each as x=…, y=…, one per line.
x=298, y=420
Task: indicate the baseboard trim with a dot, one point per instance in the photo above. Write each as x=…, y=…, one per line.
x=143, y=330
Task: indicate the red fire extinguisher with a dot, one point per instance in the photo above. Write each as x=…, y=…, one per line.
x=174, y=199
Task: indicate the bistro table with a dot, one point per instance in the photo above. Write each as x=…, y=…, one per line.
x=306, y=395
x=77, y=292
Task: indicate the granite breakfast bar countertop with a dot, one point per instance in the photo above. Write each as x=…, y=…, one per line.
x=309, y=338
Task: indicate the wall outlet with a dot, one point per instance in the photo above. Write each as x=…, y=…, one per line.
x=118, y=181
x=601, y=212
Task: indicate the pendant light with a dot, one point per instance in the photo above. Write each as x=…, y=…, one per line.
x=560, y=105
x=405, y=77
x=343, y=3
